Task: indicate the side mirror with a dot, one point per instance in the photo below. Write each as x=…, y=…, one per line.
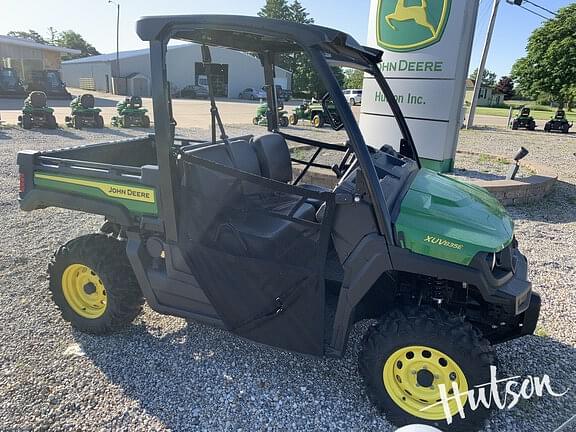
x=330, y=113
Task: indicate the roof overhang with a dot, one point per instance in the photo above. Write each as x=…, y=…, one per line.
x=9, y=40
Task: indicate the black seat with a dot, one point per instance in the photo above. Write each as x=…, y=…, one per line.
x=275, y=162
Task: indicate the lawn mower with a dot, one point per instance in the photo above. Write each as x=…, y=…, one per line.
x=131, y=113
x=49, y=82
x=558, y=123
x=10, y=84
x=84, y=114
x=36, y=113
x=524, y=120
x=261, y=116
x=221, y=231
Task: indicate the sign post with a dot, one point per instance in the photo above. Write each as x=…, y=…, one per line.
x=427, y=46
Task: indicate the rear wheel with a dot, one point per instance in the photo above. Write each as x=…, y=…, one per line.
x=52, y=123
x=293, y=119
x=99, y=122
x=26, y=121
x=93, y=284
x=547, y=127
x=317, y=121
x=255, y=121
x=283, y=121
x=514, y=125
x=76, y=122
x=146, y=122
x=410, y=353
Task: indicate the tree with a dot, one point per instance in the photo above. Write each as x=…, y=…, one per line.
x=550, y=62
x=506, y=87
x=304, y=78
x=354, y=79
x=71, y=39
x=488, y=77
x=30, y=34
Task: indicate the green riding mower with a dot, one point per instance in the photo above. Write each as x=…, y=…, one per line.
x=558, y=123
x=36, y=113
x=524, y=120
x=261, y=119
x=84, y=114
x=131, y=113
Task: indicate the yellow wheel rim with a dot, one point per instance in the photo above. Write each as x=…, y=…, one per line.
x=316, y=121
x=412, y=376
x=84, y=291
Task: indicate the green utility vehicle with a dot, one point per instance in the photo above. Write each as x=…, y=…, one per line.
x=84, y=114
x=222, y=232
x=131, y=113
x=311, y=111
x=10, y=84
x=36, y=113
x=524, y=120
x=49, y=82
x=261, y=119
x=558, y=123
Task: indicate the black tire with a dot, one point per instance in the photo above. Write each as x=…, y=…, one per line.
x=293, y=119
x=26, y=121
x=284, y=121
x=76, y=122
x=426, y=328
x=146, y=122
x=99, y=122
x=106, y=257
x=514, y=125
x=52, y=123
x=547, y=127
x=352, y=101
x=532, y=126
x=317, y=121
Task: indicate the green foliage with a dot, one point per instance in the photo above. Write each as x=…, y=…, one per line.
x=30, y=34
x=71, y=39
x=506, y=87
x=354, y=79
x=549, y=67
x=488, y=77
x=304, y=78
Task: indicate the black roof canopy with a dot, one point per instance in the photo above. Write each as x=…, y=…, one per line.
x=250, y=34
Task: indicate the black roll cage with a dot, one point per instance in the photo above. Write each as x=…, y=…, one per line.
x=267, y=38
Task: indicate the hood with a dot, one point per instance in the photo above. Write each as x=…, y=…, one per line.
x=445, y=218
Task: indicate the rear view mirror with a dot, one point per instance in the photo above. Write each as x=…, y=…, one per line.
x=330, y=113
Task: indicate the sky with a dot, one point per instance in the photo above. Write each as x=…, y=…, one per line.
x=97, y=22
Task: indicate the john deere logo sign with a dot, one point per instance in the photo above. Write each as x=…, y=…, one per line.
x=408, y=25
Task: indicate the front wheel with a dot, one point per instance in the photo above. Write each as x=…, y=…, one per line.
x=99, y=122
x=318, y=121
x=146, y=122
x=410, y=353
x=293, y=119
x=352, y=101
x=284, y=121
x=93, y=284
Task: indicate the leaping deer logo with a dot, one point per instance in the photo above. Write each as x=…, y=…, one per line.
x=416, y=13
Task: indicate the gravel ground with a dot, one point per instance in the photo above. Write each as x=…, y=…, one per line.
x=162, y=374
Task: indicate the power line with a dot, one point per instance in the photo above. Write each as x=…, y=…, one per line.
x=540, y=7
x=533, y=12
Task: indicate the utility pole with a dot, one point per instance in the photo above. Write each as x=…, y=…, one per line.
x=117, y=36
x=480, y=75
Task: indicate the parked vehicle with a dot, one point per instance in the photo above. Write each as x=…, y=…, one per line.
x=252, y=94
x=220, y=231
x=312, y=111
x=194, y=92
x=261, y=120
x=83, y=113
x=353, y=96
x=10, y=84
x=558, y=123
x=36, y=112
x=131, y=113
x=49, y=82
x=524, y=120
x=283, y=94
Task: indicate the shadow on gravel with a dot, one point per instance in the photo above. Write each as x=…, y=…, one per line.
x=194, y=375
x=118, y=132
x=557, y=208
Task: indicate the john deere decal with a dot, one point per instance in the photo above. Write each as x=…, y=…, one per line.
x=409, y=25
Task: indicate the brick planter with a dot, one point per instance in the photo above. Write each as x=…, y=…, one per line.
x=509, y=192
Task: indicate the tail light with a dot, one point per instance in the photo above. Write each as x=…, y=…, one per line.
x=22, y=183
